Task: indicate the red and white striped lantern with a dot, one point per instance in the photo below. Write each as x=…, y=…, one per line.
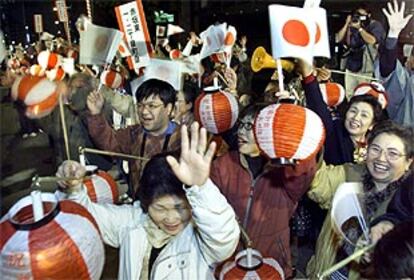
x=37, y=93
x=287, y=131
x=48, y=60
x=216, y=110
x=112, y=79
x=175, y=54
x=332, y=93
x=64, y=244
x=259, y=268
x=374, y=89
x=56, y=74
x=102, y=188
x=36, y=70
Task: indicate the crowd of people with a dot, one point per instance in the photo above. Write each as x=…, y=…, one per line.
x=192, y=191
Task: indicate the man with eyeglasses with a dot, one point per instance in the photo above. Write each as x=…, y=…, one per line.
x=156, y=132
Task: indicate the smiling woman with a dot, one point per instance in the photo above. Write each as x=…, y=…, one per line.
x=388, y=168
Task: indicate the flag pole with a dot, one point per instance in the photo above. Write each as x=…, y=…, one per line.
x=63, y=122
x=280, y=74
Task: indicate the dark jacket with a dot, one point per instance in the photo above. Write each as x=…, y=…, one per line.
x=339, y=147
x=275, y=193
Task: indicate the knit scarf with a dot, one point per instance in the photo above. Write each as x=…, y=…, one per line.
x=373, y=198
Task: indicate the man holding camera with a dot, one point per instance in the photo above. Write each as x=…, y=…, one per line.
x=360, y=37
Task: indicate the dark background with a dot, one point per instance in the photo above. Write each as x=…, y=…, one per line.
x=249, y=17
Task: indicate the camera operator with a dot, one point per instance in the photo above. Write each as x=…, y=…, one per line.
x=360, y=37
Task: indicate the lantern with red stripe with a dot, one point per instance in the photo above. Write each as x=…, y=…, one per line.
x=56, y=74
x=287, y=131
x=374, y=89
x=48, y=60
x=216, y=110
x=112, y=79
x=36, y=70
x=254, y=267
x=37, y=93
x=102, y=188
x=64, y=243
x=332, y=93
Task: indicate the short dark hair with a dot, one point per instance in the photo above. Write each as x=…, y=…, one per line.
x=394, y=253
x=406, y=134
x=158, y=180
x=190, y=91
x=379, y=113
x=156, y=87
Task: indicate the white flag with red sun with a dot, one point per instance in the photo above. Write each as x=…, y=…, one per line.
x=298, y=32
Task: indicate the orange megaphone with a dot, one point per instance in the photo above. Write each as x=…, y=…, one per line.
x=261, y=59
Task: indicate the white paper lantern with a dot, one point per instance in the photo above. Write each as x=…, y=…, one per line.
x=287, y=131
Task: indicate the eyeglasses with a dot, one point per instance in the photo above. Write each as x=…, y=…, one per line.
x=390, y=154
x=247, y=125
x=149, y=106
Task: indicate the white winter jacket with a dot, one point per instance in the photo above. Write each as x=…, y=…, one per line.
x=191, y=255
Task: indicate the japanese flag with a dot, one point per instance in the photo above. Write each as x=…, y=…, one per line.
x=293, y=32
x=124, y=49
x=218, y=38
x=166, y=70
x=174, y=29
x=321, y=47
x=98, y=45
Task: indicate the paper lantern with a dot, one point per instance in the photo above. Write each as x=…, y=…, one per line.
x=48, y=60
x=216, y=110
x=287, y=131
x=64, y=244
x=36, y=70
x=374, y=89
x=112, y=79
x=102, y=188
x=37, y=93
x=259, y=268
x=332, y=93
x=56, y=74
x=175, y=54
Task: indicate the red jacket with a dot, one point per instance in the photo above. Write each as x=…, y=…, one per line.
x=276, y=192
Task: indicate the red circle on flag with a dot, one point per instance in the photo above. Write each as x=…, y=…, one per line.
x=296, y=33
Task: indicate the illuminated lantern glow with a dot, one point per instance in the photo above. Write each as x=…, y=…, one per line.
x=216, y=110
x=37, y=93
x=112, y=79
x=48, y=60
x=102, y=188
x=374, y=89
x=64, y=244
x=259, y=269
x=332, y=93
x=36, y=70
x=56, y=74
x=287, y=131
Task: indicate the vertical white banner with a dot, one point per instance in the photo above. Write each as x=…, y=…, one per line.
x=131, y=21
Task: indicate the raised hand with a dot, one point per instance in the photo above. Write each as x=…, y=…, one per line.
x=70, y=169
x=395, y=18
x=95, y=102
x=193, y=167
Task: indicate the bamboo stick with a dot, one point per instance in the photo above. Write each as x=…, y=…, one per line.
x=113, y=154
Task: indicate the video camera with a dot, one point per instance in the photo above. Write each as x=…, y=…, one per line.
x=357, y=17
